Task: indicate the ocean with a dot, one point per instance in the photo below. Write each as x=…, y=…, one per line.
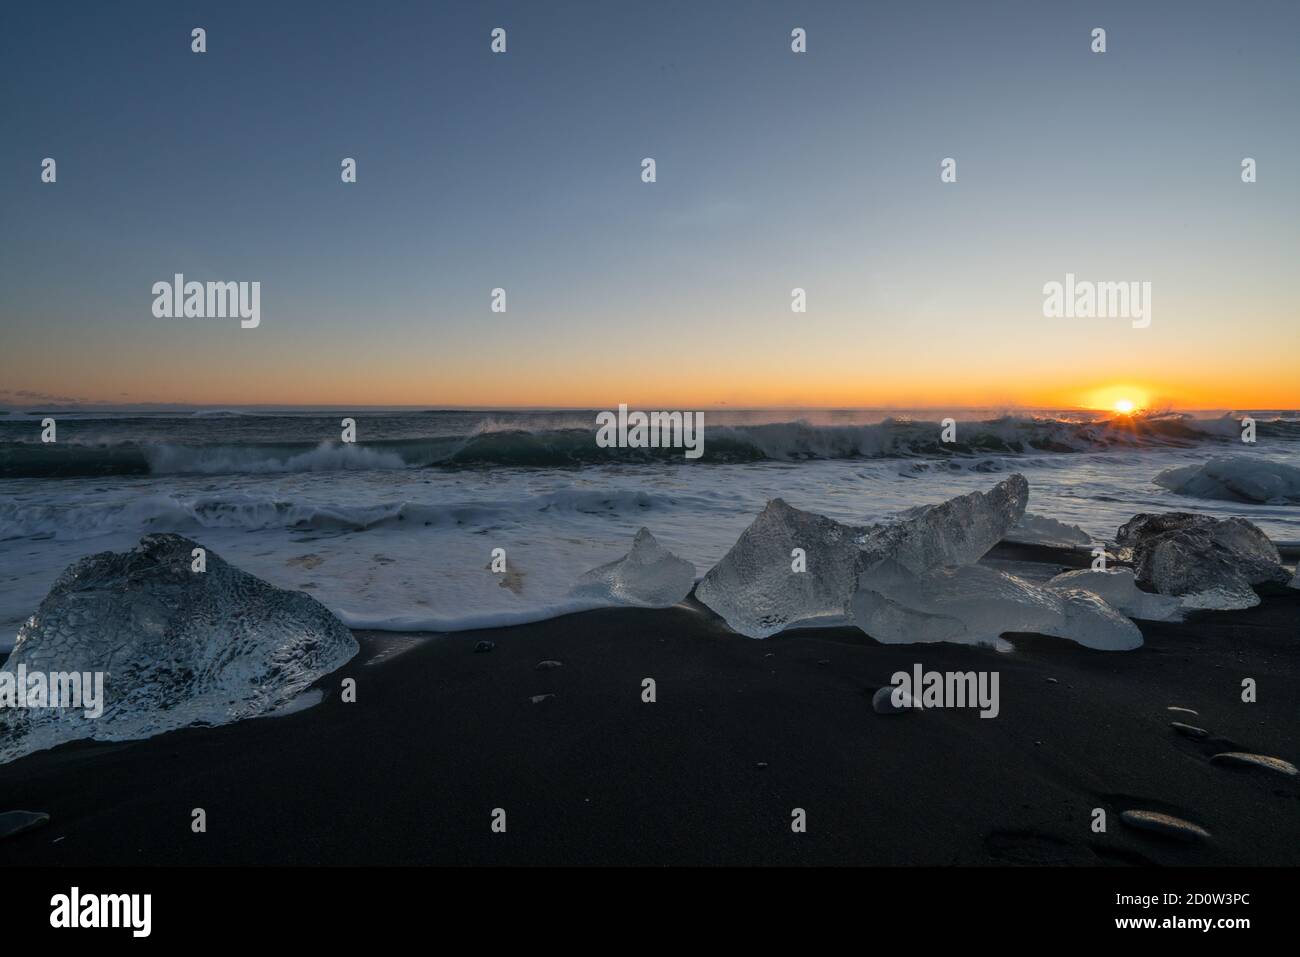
x=397, y=530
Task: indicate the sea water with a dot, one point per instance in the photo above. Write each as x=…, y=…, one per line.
x=397, y=530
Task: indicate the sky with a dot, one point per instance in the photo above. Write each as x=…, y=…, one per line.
x=775, y=170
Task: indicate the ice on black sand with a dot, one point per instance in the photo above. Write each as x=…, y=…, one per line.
x=883, y=701
x=13, y=823
x=648, y=576
x=177, y=647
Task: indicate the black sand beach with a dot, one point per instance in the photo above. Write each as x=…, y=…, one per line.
x=742, y=732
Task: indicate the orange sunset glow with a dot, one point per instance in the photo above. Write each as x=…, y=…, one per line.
x=243, y=371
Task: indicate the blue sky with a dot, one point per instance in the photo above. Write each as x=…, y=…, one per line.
x=775, y=170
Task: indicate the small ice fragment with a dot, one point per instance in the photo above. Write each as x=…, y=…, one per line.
x=1040, y=530
x=1236, y=478
x=973, y=604
x=892, y=700
x=1119, y=590
x=648, y=576
x=757, y=588
x=13, y=823
x=956, y=532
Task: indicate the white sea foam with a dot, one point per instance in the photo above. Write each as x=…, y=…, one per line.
x=411, y=547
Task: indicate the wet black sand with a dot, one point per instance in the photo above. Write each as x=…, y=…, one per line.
x=742, y=733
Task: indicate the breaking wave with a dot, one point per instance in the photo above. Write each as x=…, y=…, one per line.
x=162, y=512
x=504, y=445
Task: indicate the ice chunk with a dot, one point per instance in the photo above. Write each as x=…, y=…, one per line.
x=1119, y=590
x=1236, y=478
x=176, y=647
x=1040, y=530
x=956, y=532
x=648, y=576
x=973, y=604
x=757, y=588
x=1208, y=562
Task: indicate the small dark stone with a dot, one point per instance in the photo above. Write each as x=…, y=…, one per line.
x=1243, y=759
x=1166, y=825
x=548, y=664
x=484, y=646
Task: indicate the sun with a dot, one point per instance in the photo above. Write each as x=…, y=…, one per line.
x=1120, y=398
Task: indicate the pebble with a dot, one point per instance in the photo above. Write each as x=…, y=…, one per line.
x=548, y=664
x=539, y=698
x=760, y=764
x=16, y=822
x=882, y=701
x=1188, y=729
x=484, y=646
x=1165, y=824
x=1247, y=760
